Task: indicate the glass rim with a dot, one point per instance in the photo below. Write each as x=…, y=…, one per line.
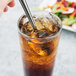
x=53, y=36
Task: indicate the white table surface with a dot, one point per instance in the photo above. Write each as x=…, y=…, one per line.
x=10, y=53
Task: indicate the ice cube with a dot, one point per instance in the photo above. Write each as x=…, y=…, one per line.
x=39, y=24
x=42, y=34
x=21, y=22
x=48, y=24
x=26, y=29
x=29, y=27
x=22, y=19
x=23, y=29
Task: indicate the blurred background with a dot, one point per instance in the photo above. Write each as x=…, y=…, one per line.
x=10, y=53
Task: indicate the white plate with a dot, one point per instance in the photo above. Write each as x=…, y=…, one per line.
x=45, y=3
x=68, y=28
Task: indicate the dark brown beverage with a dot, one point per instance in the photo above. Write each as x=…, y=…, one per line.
x=39, y=45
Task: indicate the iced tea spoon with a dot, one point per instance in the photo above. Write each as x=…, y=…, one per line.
x=27, y=12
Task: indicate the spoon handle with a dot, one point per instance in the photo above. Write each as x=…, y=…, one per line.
x=27, y=12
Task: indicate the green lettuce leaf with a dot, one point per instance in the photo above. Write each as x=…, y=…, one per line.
x=69, y=21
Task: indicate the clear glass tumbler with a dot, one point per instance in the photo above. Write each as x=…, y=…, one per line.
x=39, y=53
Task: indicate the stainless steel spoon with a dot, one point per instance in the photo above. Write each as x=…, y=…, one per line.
x=27, y=12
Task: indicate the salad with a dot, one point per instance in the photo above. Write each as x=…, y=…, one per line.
x=65, y=9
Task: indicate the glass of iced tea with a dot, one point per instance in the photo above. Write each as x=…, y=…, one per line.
x=39, y=44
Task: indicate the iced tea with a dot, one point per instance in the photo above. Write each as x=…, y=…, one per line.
x=39, y=45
